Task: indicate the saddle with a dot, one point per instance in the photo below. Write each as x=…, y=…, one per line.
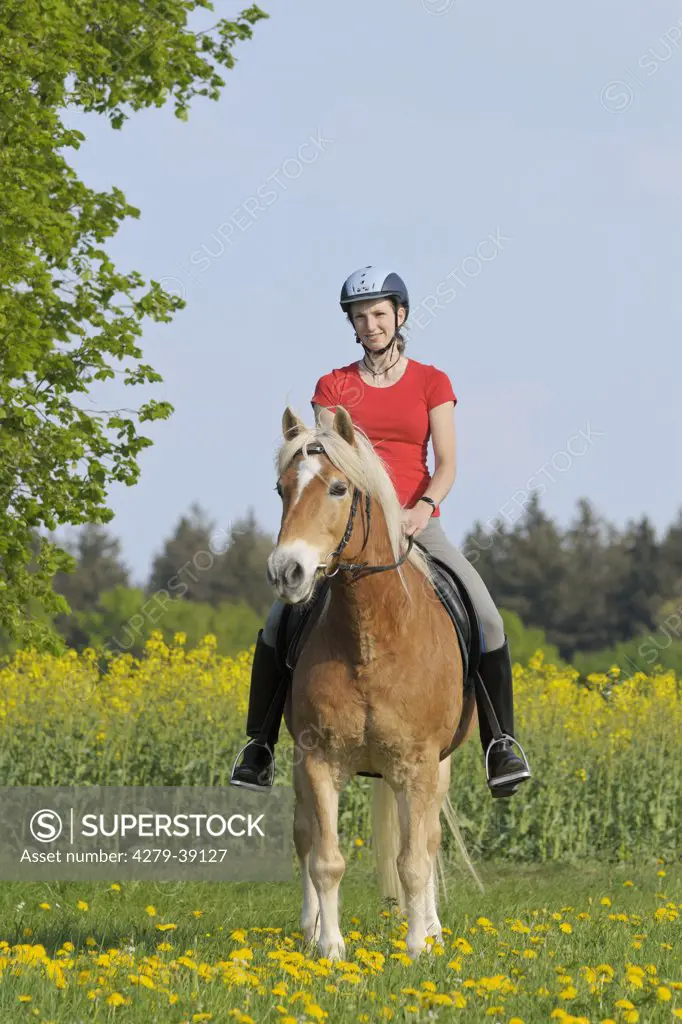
x=298, y=621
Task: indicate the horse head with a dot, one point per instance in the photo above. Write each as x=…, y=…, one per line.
x=318, y=482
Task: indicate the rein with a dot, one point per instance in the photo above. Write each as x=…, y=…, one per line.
x=355, y=570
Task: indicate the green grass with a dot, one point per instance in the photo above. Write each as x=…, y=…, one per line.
x=531, y=894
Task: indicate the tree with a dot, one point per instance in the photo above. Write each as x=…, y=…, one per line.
x=583, y=615
x=186, y=567
x=98, y=568
x=529, y=575
x=638, y=594
x=240, y=574
x=671, y=559
x=68, y=317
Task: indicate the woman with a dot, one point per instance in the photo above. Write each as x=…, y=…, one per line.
x=399, y=404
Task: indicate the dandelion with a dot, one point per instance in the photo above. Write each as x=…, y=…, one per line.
x=116, y=999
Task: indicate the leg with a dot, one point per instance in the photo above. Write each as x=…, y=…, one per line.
x=414, y=863
x=433, y=925
x=267, y=697
x=303, y=840
x=504, y=768
x=326, y=861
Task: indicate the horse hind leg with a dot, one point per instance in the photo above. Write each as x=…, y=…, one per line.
x=326, y=863
x=414, y=863
x=303, y=841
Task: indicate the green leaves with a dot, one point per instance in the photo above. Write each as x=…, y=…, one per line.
x=68, y=316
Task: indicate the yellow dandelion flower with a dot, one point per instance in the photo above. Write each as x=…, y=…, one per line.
x=165, y=927
x=116, y=999
x=565, y=927
x=605, y=901
x=25, y=999
x=151, y=910
x=82, y=905
x=664, y=994
x=44, y=906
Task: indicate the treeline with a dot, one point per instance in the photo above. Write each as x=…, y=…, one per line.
x=588, y=593
x=601, y=595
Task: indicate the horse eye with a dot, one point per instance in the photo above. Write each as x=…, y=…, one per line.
x=338, y=489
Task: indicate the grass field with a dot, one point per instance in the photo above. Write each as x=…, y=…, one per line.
x=546, y=942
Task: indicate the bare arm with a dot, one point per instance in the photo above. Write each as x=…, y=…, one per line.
x=444, y=440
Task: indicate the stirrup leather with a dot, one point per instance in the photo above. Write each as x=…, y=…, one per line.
x=271, y=776
x=515, y=776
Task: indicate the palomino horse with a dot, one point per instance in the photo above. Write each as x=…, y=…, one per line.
x=378, y=683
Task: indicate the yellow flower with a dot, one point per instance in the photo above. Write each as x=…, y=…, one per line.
x=150, y=910
x=566, y=928
x=25, y=999
x=115, y=887
x=116, y=999
x=463, y=946
x=165, y=927
x=605, y=901
x=82, y=905
x=664, y=994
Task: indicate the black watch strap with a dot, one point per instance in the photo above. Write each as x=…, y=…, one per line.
x=429, y=501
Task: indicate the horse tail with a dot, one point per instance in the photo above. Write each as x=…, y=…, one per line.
x=386, y=842
x=448, y=812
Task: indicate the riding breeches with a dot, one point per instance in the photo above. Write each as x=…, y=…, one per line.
x=433, y=539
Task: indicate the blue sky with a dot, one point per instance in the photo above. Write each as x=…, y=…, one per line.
x=406, y=133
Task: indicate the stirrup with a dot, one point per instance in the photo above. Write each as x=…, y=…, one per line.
x=271, y=776
x=515, y=776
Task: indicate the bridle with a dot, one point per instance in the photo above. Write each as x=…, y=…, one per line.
x=355, y=570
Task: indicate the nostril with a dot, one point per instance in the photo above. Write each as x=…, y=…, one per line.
x=293, y=574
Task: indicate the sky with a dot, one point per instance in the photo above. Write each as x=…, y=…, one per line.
x=520, y=165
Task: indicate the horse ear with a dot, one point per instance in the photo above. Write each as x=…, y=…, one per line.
x=291, y=425
x=343, y=425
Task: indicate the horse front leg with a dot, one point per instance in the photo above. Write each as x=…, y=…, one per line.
x=326, y=864
x=303, y=841
x=433, y=839
x=415, y=866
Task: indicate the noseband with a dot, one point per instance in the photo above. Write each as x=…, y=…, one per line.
x=355, y=570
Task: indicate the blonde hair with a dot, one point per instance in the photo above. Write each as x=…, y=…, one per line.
x=366, y=471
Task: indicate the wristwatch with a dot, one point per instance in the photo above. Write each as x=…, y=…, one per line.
x=429, y=501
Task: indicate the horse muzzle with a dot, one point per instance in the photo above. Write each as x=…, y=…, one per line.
x=291, y=569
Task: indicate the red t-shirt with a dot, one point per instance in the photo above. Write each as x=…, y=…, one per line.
x=395, y=419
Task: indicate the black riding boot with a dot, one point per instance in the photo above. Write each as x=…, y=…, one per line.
x=505, y=770
x=267, y=697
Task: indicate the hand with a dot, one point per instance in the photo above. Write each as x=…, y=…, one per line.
x=416, y=519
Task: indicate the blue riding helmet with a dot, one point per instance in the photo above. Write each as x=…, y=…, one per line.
x=374, y=283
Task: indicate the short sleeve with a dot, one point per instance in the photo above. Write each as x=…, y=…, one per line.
x=438, y=388
x=326, y=393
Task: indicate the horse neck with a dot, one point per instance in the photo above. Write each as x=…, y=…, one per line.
x=375, y=606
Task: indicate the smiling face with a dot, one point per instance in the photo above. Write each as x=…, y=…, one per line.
x=374, y=321
x=316, y=500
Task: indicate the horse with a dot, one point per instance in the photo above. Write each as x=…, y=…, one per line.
x=378, y=684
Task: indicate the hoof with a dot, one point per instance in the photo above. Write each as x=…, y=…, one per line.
x=414, y=952
x=333, y=950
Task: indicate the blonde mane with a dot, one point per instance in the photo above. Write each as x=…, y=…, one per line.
x=365, y=470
